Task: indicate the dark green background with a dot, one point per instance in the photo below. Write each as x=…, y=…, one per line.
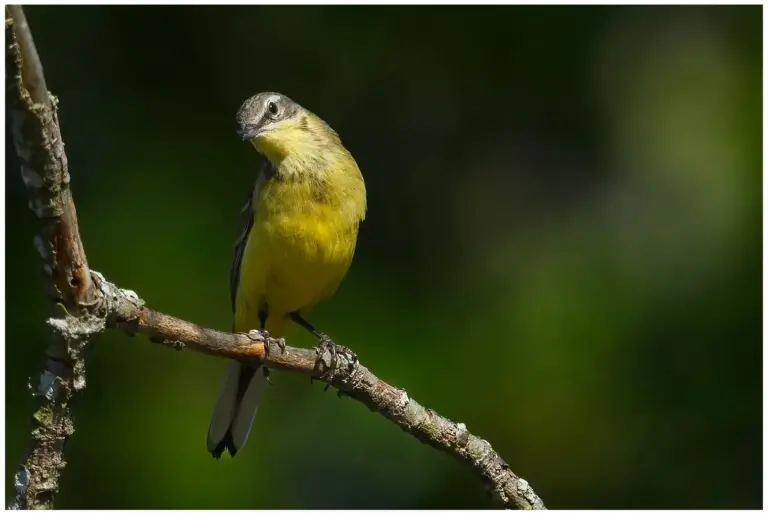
x=563, y=250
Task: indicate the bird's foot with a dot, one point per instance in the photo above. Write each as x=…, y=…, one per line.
x=262, y=335
x=328, y=345
x=258, y=335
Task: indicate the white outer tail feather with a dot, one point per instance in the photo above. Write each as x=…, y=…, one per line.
x=229, y=412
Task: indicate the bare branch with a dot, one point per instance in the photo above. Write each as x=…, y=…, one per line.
x=87, y=304
x=38, y=144
x=128, y=313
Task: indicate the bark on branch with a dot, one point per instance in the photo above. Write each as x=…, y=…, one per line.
x=88, y=304
x=40, y=150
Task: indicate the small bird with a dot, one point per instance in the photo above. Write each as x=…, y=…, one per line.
x=298, y=237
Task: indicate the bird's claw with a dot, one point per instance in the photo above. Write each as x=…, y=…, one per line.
x=328, y=345
x=262, y=335
x=258, y=335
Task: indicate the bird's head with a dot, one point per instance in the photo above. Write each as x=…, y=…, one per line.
x=279, y=127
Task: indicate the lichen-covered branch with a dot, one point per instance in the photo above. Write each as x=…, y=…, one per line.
x=86, y=304
x=40, y=151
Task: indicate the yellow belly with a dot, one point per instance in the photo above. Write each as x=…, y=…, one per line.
x=289, y=264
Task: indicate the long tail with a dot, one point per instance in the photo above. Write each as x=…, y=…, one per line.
x=235, y=409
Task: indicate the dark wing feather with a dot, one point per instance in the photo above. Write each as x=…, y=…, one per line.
x=246, y=223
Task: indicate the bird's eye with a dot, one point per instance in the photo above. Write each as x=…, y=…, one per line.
x=272, y=108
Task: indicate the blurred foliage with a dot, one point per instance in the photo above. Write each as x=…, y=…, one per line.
x=562, y=250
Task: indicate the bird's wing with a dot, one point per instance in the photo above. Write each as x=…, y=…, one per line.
x=246, y=223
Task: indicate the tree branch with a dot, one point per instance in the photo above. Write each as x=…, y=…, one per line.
x=88, y=304
x=128, y=313
x=38, y=144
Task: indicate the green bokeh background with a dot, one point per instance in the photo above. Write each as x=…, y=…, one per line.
x=563, y=250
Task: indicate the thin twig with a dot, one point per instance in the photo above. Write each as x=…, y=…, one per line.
x=88, y=304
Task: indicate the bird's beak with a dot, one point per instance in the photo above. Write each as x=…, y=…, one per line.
x=247, y=132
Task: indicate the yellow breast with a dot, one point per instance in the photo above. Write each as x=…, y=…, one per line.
x=298, y=251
